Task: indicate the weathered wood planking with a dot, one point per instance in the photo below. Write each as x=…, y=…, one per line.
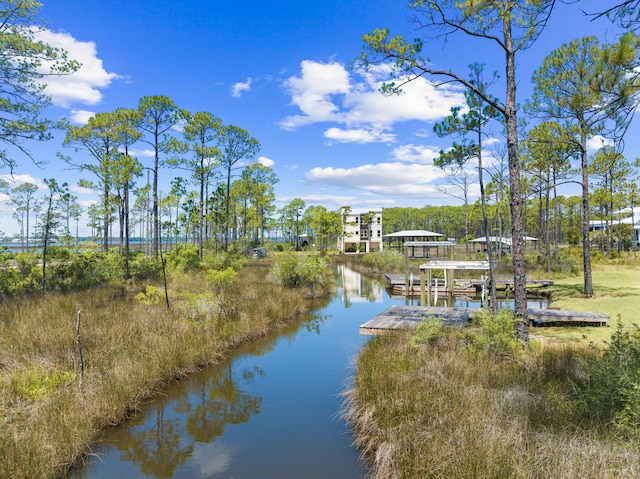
x=407, y=317
x=541, y=316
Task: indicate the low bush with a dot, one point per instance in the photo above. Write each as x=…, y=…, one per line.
x=495, y=334
x=608, y=390
x=86, y=269
x=185, y=259
x=144, y=268
x=428, y=331
x=309, y=272
x=221, y=261
x=386, y=261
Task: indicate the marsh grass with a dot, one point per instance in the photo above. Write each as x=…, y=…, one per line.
x=441, y=410
x=132, y=349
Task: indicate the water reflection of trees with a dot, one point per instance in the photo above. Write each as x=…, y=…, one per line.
x=198, y=409
x=156, y=448
x=166, y=440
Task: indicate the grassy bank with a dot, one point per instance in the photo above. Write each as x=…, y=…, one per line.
x=132, y=346
x=566, y=408
x=443, y=409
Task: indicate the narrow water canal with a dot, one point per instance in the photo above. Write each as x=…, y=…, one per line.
x=271, y=411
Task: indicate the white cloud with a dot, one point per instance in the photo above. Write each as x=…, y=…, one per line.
x=85, y=204
x=15, y=180
x=491, y=141
x=239, y=88
x=313, y=90
x=596, y=142
x=5, y=204
x=360, y=135
x=81, y=117
x=143, y=153
x=389, y=179
x=264, y=161
x=84, y=85
x=318, y=199
x=79, y=190
x=327, y=92
x=416, y=154
x=334, y=202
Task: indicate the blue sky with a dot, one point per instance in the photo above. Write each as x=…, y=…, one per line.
x=281, y=70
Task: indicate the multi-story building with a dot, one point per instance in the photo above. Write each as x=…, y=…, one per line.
x=361, y=232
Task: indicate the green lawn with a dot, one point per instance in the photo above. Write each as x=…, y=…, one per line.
x=617, y=294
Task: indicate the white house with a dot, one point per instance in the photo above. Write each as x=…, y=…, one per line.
x=361, y=232
x=632, y=219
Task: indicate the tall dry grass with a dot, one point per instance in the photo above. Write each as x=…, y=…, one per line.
x=131, y=349
x=442, y=411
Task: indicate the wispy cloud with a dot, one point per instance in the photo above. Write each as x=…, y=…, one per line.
x=239, y=88
x=80, y=190
x=15, y=180
x=360, y=135
x=334, y=202
x=416, y=153
x=143, y=153
x=397, y=179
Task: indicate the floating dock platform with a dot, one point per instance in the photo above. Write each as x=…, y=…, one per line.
x=407, y=317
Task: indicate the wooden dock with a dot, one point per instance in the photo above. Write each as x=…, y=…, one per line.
x=397, y=283
x=549, y=317
x=407, y=317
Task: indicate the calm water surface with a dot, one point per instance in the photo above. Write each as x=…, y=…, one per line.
x=269, y=411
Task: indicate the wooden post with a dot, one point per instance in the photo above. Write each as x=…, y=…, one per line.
x=406, y=274
x=81, y=366
x=429, y=288
x=422, y=286
x=451, y=281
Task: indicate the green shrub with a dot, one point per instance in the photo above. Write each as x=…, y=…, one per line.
x=144, y=268
x=303, y=271
x=150, y=295
x=36, y=383
x=386, y=260
x=26, y=262
x=496, y=335
x=567, y=264
x=221, y=261
x=608, y=391
x=185, y=259
x=221, y=283
x=221, y=279
x=86, y=269
x=58, y=253
x=427, y=331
